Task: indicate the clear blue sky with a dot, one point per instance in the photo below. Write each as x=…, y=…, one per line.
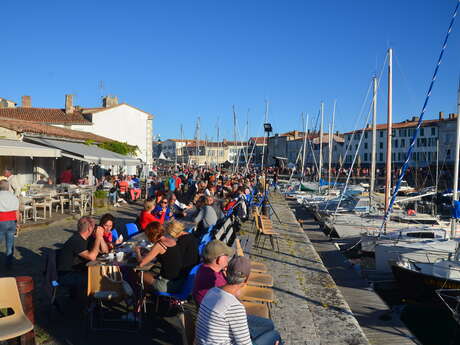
x=181, y=59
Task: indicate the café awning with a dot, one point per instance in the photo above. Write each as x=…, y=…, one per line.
x=22, y=149
x=87, y=153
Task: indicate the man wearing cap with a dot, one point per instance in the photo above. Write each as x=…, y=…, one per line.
x=222, y=318
x=216, y=255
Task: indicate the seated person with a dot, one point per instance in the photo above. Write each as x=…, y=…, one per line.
x=222, y=318
x=216, y=255
x=146, y=216
x=169, y=255
x=123, y=187
x=134, y=189
x=76, y=253
x=163, y=210
x=188, y=244
x=111, y=236
x=206, y=216
x=177, y=207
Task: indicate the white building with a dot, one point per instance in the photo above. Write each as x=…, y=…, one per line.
x=120, y=122
x=426, y=148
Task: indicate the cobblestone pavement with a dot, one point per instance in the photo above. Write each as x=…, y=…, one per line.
x=70, y=328
x=309, y=308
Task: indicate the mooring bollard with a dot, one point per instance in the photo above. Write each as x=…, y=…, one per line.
x=26, y=287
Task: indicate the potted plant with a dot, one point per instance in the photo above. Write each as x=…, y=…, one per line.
x=100, y=199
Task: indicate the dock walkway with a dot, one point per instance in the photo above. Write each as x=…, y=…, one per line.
x=309, y=308
x=379, y=324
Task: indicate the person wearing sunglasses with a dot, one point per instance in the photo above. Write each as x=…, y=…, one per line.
x=162, y=209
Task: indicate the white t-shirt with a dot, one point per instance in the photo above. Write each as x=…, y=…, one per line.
x=8, y=201
x=222, y=320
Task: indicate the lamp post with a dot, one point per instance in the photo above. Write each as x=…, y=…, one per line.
x=267, y=129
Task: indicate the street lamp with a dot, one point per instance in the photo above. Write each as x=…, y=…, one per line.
x=267, y=129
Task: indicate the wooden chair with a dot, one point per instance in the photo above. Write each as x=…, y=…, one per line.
x=256, y=267
x=260, y=279
x=82, y=202
x=64, y=200
x=256, y=309
x=41, y=204
x=17, y=324
x=256, y=278
x=257, y=294
x=108, y=296
x=266, y=230
x=28, y=212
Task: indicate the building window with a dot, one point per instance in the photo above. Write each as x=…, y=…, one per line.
x=433, y=131
x=365, y=135
x=381, y=157
x=418, y=142
x=399, y=156
x=395, y=143
x=381, y=134
x=448, y=153
x=381, y=145
x=365, y=146
x=422, y=132
x=365, y=156
x=403, y=142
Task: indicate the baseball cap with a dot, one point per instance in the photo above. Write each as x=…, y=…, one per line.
x=216, y=248
x=238, y=269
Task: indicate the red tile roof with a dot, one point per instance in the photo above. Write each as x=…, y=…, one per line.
x=44, y=115
x=25, y=127
x=404, y=124
x=258, y=140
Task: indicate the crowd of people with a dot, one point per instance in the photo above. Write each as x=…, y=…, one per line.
x=200, y=196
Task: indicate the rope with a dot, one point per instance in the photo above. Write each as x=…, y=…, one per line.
x=420, y=120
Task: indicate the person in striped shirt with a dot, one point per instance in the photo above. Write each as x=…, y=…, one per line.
x=222, y=319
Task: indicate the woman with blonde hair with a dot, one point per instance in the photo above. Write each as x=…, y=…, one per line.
x=168, y=254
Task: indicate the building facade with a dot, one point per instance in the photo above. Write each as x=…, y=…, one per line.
x=436, y=137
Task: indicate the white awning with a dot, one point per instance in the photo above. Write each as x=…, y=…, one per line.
x=23, y=149
x=87, y=153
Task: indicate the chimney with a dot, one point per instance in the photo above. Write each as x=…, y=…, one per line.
x=414, y=118
x=69, y=108
x=26, y=101
x=441, y=115
x=451, y=116
x=109, y=101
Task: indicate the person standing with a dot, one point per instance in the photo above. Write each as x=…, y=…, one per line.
x=9, y=216
x=15, y=186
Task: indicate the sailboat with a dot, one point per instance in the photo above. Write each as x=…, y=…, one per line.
x=419, y=280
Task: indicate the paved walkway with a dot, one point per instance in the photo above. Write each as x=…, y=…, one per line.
x=70, y=328
x=310, y=309
x=381, y=326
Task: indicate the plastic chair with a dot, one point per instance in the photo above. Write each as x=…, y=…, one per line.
x=186, y=290
x=131, y=229
x=16, y=325
x=204, y=241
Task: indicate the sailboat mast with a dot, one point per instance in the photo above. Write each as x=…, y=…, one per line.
x=453, y=229
x=320, y=166
x=389, y=130
x=304, y=145
x=331, y=144
x=266, y=143
x=374, y=139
